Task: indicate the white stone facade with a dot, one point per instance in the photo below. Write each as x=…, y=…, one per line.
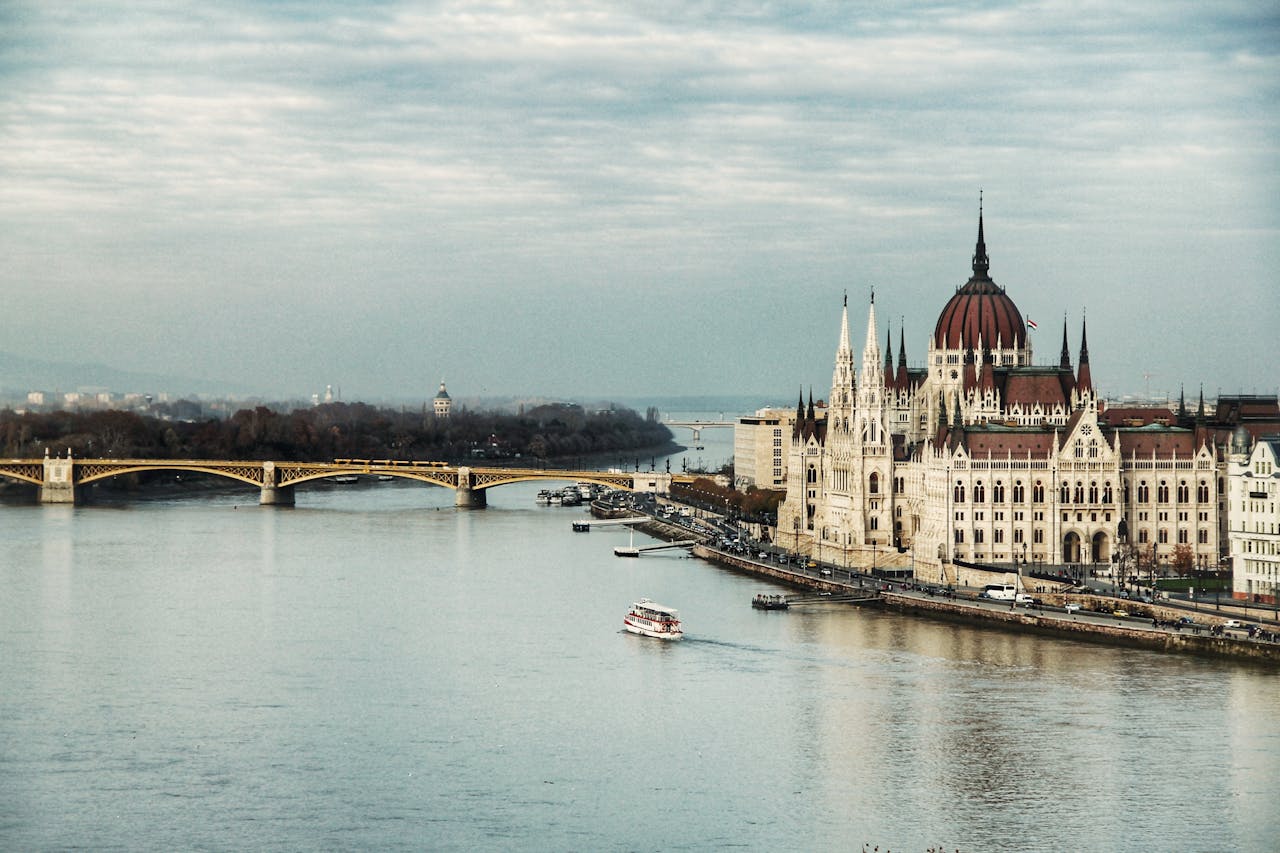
x=1253, y=495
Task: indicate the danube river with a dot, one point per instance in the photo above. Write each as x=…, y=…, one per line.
x=374, y=669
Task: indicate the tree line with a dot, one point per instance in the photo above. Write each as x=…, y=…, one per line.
x=335, y=430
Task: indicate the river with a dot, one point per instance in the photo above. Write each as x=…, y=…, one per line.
x=374, y=669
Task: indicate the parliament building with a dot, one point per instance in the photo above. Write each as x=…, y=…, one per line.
x=983, y=458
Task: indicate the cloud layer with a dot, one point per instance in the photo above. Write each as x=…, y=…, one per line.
x=581, y=198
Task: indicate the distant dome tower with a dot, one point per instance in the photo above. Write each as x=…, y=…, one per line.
x=980, y=319
x=442, y=403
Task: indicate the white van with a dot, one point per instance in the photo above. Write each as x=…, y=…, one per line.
x=998, y=592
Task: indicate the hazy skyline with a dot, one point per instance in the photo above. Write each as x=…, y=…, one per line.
x=584, y=199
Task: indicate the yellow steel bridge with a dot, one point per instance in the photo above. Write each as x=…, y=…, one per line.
x=61, y=479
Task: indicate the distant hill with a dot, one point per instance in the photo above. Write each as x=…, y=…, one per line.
x=18, y=375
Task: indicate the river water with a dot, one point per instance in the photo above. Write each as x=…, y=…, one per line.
x=374, y=669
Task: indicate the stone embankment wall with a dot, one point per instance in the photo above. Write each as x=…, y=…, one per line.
x=777, y=573
x=1063, y=625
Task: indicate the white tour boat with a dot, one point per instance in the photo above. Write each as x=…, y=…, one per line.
x=653, y=620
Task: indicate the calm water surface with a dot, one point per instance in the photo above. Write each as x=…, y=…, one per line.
x=374, y=669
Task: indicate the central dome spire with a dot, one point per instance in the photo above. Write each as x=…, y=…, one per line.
x=981, y=264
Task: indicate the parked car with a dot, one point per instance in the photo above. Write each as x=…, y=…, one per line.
x=1233, y=623
x=1071, y=607
x=1120, y=614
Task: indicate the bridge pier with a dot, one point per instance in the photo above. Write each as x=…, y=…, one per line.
x=276, y=496
x=59, y=481
x=273, y=495
x=466, y=496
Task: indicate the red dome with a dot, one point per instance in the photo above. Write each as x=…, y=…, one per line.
x=980, y=311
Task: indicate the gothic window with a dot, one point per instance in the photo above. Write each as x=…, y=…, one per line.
x=1162, y=493
x=958, y=493
x=1079, y=449
x=1184, y=492
x=813, y=474
x=1079, y=492
x=1037, y=493
x=959, y=536
x=1093, y=448
x=1182, y=536
x=875, y=522
x=1106, y=492
x=1144, y=493
x=1142, y=537
x=998, y=536
x=1203, y=537
x=1065, y=497
x=1017, y=536
x=997, y=492
x=1019, y=493
x=1093, y=492
x=978, y=537
x=873, y=484
x=979, y=492
x=1164, y=535
x=1038, y=537
x=1202, y=492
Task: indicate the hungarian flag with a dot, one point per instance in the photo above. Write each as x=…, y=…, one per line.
x=1032, y=323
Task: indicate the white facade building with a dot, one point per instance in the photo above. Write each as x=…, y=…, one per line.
x=1253, y=495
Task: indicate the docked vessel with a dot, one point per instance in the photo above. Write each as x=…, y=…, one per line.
x=653, y=620
x=770, y=602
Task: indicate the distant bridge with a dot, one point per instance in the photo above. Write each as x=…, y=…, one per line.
x=699, y=426
x=61, y=479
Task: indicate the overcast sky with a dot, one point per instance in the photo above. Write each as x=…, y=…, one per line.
x=608, y=198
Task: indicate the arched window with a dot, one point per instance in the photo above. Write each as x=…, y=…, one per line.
x=1079, y=448
x=1202, y=492
x=813, y=474
x=1106, y=492
x=1019, y=493
x=1093, y=492
x=1065, y=496
x=997, y=492
x=1184, y=492
x=958, y=493
x=873, y=483
x=979, y=492
x=1162, y=493
x=1079, y=492
x=1037, y=492
x=1144, y=493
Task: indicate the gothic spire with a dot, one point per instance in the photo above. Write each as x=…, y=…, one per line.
x=1064, y=362
x=903, y=380
x=1084, y=379
x=1200, y=408
x=888, y=357
x=981, y=264
x=1182, y=402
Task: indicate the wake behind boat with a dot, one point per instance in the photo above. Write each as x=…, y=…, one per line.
x=653, y=620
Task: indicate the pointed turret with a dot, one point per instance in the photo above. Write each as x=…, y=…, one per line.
x=903, y=382
x=957, y=420
x=1182, y=403
x=1084, y=379
x=1200, y=407
x=1064, y=362
x=843, y=379
x=970, y=371
x=888, y=358
x=798, y=427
